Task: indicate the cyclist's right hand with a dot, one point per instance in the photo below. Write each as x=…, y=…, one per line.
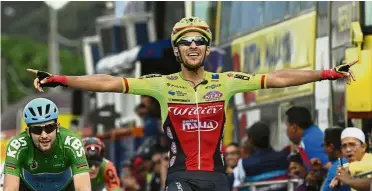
x=44, y=79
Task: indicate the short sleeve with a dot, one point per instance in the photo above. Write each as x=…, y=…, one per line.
x=14, y=154
x=150, y=85
x=111, y=178
x=241, y=82
x=76, y=153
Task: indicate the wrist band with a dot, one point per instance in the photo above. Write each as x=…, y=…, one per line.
x=58, y=79
x=331, y=74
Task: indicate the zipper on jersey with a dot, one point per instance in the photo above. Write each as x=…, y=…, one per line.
x=197, y=114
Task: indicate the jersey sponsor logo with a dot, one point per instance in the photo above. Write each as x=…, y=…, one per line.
x=174, y=148
x=176, y=93
x=76, y=144
x=192, y=125
x=150, y=76
x=169, y=133
x=34, y=165
x=15, y=145
x=111, y=175
x=213, y=95
x=238, y=76
x=176, y=86
x=172, y=77
x=47, y=181
x=213, y=86
x=172, y=160
x=211, y=109
x=215, y=76
x=179, y=186
x=180, y=100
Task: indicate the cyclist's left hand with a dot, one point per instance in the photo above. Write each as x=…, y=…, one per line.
x=344, y=71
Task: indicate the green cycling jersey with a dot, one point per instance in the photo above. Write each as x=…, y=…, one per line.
x=106, y=178
x=45, y=172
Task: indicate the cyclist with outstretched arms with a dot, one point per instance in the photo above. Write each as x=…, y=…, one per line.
x=45, y=156
x=102, y=172
x=193, y=102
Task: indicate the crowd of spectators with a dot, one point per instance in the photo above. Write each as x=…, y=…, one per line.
x=336, y=159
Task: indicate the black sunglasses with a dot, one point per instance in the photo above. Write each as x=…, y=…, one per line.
x=39, y=129
x=94, y=163
x=187, y=40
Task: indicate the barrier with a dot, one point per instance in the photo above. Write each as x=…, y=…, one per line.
x=291, y=184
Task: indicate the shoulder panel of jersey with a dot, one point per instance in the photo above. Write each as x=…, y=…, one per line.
x=73, y=146
x=16, y=153
x=112, y=179
x=237, y=82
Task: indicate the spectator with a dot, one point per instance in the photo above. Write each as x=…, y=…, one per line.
x=128, y=181
x=296, y=168
x=312, y=180
x=332, y=146
x=232, y=156
x=154, y=176
x=264, y=163
x=307, y=137
x=353, y=144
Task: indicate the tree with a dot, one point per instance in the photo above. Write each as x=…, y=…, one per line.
x=20, y=53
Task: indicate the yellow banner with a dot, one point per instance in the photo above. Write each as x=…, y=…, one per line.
x=290, y=44
x=4, y=143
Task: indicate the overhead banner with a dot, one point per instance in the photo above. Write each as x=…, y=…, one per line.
x=289, y=44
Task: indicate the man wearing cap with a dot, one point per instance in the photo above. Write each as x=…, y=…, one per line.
x=332, y=146
x=353, y=145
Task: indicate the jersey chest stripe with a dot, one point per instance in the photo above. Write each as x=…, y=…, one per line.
x=125, y=85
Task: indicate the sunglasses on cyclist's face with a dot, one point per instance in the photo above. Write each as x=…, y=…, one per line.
x=187, y=41
x=97, y=164
x=40, y=128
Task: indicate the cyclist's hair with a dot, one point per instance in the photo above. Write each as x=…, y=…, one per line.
x=295, y=157
x=259, y=133
x=333, y=136
x=300, y=116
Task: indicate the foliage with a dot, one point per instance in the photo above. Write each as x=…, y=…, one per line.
x=21, y=53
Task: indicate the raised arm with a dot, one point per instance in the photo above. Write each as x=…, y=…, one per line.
x=295, y=77
x=95, y=83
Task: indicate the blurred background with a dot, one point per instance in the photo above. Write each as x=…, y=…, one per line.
x=125, y=38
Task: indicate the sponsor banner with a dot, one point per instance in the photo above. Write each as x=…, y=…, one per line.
x=343, y=13
x=289, y=44
x=4, y=143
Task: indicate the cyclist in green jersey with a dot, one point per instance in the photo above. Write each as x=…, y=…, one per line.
x=46, y=156
x=193, y=102
x=102, y=172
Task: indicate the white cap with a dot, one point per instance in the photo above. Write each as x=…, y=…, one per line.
x=354, y=133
